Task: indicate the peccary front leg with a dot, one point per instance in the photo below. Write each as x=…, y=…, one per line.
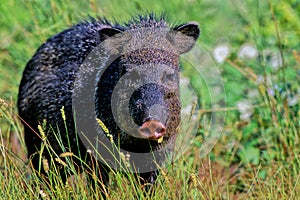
x=148, y=179
x=97, y=176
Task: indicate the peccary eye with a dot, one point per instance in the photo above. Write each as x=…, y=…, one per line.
x=171, y=77
x=169, y=95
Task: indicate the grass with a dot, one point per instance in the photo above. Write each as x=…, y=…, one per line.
x=257, y=156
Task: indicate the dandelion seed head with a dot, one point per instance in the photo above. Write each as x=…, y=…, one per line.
x=221, y=52
x=247, y=51
x=245, y=109
x=273, y=59
x=292, y=101
x=276, y=61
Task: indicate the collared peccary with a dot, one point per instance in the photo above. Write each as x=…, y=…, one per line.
x=136, y=91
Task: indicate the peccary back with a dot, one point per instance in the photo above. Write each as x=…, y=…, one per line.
x=136, y=94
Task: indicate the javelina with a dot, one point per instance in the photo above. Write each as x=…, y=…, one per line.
x=144, y=108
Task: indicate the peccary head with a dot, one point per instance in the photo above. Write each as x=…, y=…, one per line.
x=137, y=95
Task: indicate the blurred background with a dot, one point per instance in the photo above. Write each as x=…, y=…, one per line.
x=255, y=45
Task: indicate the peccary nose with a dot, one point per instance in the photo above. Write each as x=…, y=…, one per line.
x=152, y=130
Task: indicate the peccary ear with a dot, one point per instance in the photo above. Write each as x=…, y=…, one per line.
x=184, y=36
x=115, y=44
x=108, y=32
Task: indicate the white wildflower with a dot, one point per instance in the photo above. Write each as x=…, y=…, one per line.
x=292, y=101
x=276, y=61
x=273, y=59
x=247, y=51
x=245, y=109
x=220, y=53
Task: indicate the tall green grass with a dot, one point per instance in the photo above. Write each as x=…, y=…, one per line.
x=255, y=158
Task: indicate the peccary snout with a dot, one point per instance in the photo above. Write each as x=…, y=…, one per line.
x=149, y=109
x=152, y=130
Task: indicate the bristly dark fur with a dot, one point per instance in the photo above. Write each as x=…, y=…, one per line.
x=139, y=21
x=149, y=20
x=48, y=80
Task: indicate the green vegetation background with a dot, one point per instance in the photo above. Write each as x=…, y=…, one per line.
x=257, y=157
